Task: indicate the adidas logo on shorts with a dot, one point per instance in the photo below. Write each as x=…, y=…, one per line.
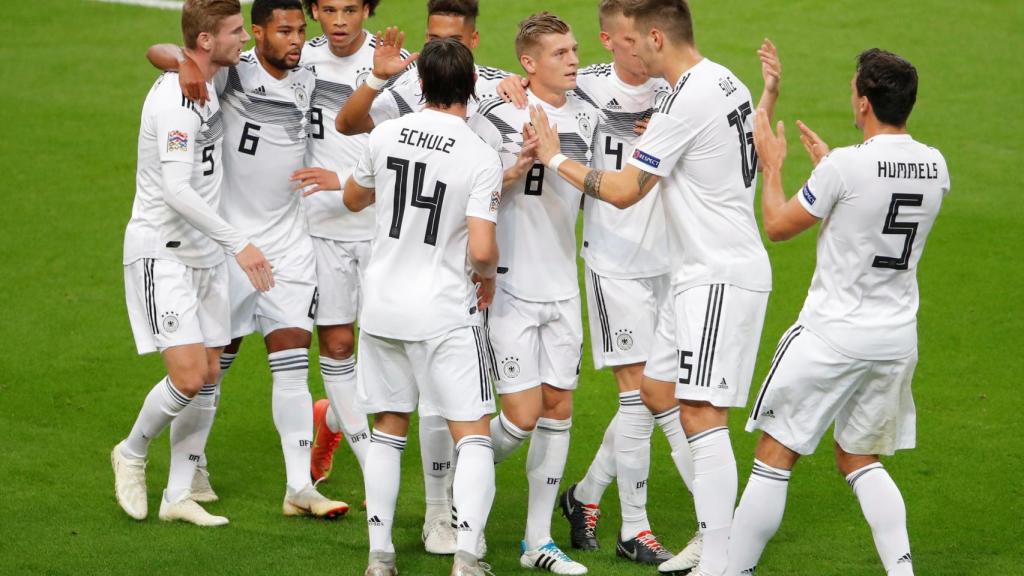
x=768, y=414
x=723, y=385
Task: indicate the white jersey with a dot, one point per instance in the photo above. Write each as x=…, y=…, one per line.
x=175, y=130
x=337, y=78
x=879, y=201
x=618, y=243
x=430, y=172
x=266, y=127
x=406, y=95
x=700, y=143
x=537, y=224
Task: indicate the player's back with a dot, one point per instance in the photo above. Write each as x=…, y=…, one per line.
x=709, y=193
x=174, y=129
x=430, y=171
x=879, y=201
x=537, y=223
x=266, y=128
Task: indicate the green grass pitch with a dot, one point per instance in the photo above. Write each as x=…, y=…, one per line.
x=73, y=78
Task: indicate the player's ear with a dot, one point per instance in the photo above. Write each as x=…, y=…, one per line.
x=605, y=40
x=474, y=40
x=205, y=41
x=526, y=61
x=314, y=11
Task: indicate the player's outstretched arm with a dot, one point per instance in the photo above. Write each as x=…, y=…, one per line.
x=357, y=197
x=621, y=189
x=483, y=258
x=388, y=61
x=782, y=220
x=313, y=180
x=771, y=73
x=171, y=58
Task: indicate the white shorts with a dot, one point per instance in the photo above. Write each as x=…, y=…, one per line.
x=810, y=385
x=171, y=304
x=450, y=375
x=535, y=342
x=339, y=271
x=622, y=314
x=291, y=303
x=706, y=342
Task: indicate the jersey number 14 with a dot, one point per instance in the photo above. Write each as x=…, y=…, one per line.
x=433, y=205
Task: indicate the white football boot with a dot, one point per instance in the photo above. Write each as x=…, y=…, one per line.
x=130, y=483
x=438, y=535
x=686, y=560
x=309, y=502
x=381, y=564
x=466, y=565
x=549, y=557
x=202, y=490
x=187, y=510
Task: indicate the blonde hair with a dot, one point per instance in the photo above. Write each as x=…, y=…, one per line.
x=198, y=16
x=536, y=26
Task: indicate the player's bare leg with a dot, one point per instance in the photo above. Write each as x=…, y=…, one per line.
x=883, y=508
x=472, y=491
x=381, y=480
x=292, y=406
x=516, y=421
x=714, y=480
x=337, y=416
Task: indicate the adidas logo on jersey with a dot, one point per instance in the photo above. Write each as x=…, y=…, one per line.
x=613, y=105
x=905, y=558
x=374, y=521
x=260, y=90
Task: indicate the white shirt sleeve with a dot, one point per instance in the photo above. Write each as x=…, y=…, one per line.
x=183, y=199
x=490, y=134
x=384, y=107
x=177, y=129
x=485, y=197
x=662, y=144
x=823, y=189
x=363, y=173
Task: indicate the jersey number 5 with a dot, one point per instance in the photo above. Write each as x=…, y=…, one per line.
x=401, y=168
x=907, y=229
x=749, y=154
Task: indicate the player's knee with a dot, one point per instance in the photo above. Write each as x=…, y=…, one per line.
x=189, y=382
x=212, y=372
x=848, y=463
x=657, y=401
x=557, y=404
x=524, y=417
x=338, y=342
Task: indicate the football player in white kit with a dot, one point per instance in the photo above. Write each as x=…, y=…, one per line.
x=373, y=103
x=176, y=280
x=699, y=145
x=421, y=340
x=850, y=357
x=267, y=119
x=535, y=323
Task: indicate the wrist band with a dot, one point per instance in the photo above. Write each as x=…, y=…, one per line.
x=556, y=161
x=375, y=84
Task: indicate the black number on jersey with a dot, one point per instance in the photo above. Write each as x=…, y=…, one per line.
x=208, y=157
x=617, y=151
x=432, y=204
x=684, y=364
x=535, y=180
x=249, y=141
x=316, y=120
x=907, y=229
x=749, y=155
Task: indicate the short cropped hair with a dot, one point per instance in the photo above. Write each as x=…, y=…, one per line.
x=671, y=16
x=468, y=9
x=609, y=8
x=198, y=16
x=263, y=10
x=446, y=69
x=536, y=26
x=889, y=83
x=310, y=3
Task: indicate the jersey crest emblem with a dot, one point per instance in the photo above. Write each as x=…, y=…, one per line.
x=585, y=127
x=169, y=322
x=510, y=368
x=177, y=141
x=301, y=98
x=624, y=340
x=362, y=76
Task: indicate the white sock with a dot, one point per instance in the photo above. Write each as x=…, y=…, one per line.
x=633, y=462
x=340, y=385
x=436, y=452
x=381, y=479
x=189, y=433
x=545, y=462
x=226, y=360
x=601, y=472
x=669, y=423
x=714, y=495
x=758, y=517
x=506, y=437
x=163, y=403
x=883, y=508
x=473, y=490
x=292, y=406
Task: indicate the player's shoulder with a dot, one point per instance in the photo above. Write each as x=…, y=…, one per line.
x=248, y=59
x=166, y=94
x=494, y=108
x=316, y=43
x=597, y=71
x=490, y=73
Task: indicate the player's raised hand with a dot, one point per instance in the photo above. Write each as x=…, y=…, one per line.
x=771, y=66
x=815, y=146
x=193, y=85
x=513, y=89
x=484, y=291
x=548, y=145
x=256, y=267
x=313, y=180
x=527, y=154
x=771, y=149
x=387, y=54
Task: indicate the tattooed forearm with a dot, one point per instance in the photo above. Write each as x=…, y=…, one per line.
x=642, y=179
x=592, y=183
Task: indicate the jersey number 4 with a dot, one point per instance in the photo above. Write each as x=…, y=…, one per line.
x=907, y=229
x=747, y=151
x=401, y=168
